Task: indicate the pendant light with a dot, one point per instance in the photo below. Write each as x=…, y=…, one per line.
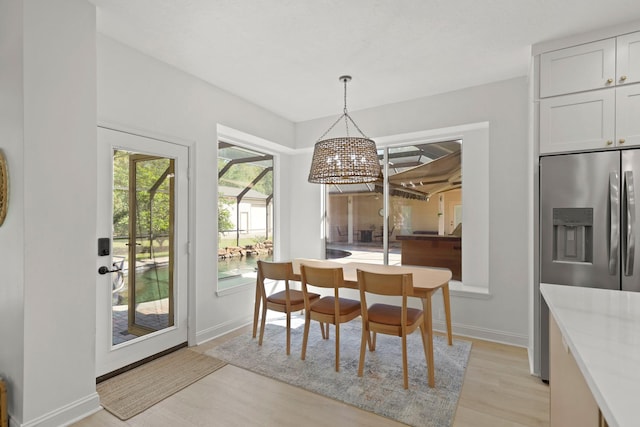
x=346, y=159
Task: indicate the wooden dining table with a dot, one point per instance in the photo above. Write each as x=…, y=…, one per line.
x=426, y=282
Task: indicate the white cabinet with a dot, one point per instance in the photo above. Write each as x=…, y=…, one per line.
x=590, y=96
x=582, y=121
x=628, y=59
x=575, y=69
x=628, y=115
x=605, y=63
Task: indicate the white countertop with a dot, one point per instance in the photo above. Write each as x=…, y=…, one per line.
x=602, y=329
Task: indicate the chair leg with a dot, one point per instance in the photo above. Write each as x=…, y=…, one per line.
x=366, y=339
x=256, y=310
x=423, y=334
x=372, y=346
x=337, y=347
x=288, y=333
x=307, y=320
x=322, y=330
x=404, y=362
x=326, y=331
x=262, y=323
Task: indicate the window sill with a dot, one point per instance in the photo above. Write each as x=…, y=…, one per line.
x=236, y=288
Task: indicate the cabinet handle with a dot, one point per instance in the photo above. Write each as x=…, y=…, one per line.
x=621, y=141
x=609, y=142
x=623, y=78
x=609, y=81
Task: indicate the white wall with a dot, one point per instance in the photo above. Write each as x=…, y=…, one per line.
x=11, y=232
x=138, y=92
x=48, y=242
x=501, y=316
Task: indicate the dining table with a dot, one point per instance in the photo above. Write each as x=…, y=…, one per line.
x=426, y=282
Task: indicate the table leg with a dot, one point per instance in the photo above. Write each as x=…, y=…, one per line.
x=447, y=311
x=428, y=324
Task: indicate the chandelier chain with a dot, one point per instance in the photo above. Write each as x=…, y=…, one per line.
x=345, y=115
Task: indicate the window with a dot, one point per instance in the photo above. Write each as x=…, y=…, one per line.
x=245, y=213
x=424, y=195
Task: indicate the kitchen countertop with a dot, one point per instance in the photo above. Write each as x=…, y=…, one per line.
x=602, y=329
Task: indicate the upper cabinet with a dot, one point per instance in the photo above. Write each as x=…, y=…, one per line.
x=605, y=63
x=628, y=59
x=590, y=96
x=580, y=121
x=576, y=69
x=628, y=115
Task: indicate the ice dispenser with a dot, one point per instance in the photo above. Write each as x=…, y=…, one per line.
x=573, y=235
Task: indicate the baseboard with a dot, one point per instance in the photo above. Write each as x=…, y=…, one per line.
x=532, y=362
x=67, y=414
x=485, y=334
x=222, y=329
x=440, y=326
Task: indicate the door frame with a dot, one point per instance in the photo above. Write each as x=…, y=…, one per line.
x=190, y=218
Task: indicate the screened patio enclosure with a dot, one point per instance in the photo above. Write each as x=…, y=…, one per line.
x=245, y=211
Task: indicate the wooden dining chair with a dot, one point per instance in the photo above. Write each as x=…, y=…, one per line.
x=286, y=301
x=388, y=319
x=329, y=309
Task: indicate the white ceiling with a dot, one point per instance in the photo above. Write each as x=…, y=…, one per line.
x=287, y=55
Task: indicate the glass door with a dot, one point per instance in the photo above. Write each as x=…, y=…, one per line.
x=142, y=303
x=148, y=284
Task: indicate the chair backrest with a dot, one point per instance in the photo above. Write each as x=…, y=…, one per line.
x=322, y=277
x=275, y=270
x=386, y=285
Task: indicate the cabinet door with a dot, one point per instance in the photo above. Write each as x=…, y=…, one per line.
x=583, y=121
x=579, y=68
x=571, y=401
x=628, y=59
x=628, y=115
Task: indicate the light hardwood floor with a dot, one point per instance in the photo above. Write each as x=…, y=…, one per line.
x=497, y=391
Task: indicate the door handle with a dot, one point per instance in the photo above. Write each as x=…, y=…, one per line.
x=631, y=223
x=104, y=270
x=614, y=202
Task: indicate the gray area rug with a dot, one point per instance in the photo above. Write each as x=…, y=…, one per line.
x=380, y=390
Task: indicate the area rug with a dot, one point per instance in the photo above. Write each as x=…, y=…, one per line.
x=380, y=390
x=134, y=391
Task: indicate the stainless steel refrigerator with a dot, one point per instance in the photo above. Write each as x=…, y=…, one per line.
x=587, y=225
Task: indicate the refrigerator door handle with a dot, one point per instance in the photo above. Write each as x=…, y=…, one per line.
x=614, y=203
x=631, y=223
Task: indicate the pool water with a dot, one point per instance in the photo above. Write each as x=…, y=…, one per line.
x=152, y=284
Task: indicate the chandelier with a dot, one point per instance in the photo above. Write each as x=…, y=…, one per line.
x=346, y=159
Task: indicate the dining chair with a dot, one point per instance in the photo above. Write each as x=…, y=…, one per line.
x=286, y=301
x=328, y=309
x=386, y=318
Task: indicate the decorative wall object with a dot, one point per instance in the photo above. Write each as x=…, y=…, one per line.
x=4, y=201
